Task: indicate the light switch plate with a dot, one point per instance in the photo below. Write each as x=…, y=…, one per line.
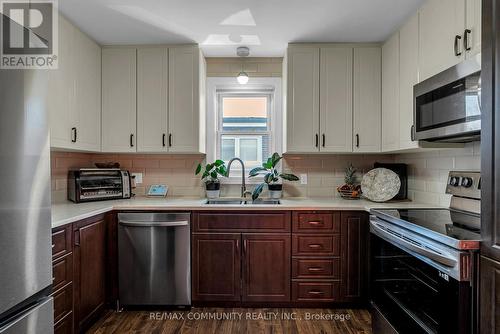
x=303, y=178
x=138, y=178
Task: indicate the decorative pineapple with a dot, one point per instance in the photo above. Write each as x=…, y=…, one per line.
x=350, y=175
x=350, y=189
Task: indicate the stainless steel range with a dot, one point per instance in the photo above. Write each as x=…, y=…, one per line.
x=423, y=275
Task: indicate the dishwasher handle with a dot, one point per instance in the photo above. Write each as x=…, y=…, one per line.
x=154, y=224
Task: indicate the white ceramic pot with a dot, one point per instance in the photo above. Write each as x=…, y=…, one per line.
x=213, y=193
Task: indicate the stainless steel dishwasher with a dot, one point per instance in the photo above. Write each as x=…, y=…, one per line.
x=154, y=266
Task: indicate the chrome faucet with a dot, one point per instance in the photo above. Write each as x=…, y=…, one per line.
x=244, y=191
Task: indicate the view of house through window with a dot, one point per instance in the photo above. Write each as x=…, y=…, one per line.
x=244, y=128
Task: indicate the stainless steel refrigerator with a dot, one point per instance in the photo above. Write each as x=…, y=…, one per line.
x=25, y=219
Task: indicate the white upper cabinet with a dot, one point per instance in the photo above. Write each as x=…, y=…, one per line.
x=118, y=100
x=88, y=93
x=336, y=99
x=390, y=94
x=442, y=26
x=472, y=35
x=184, y=121
x=152, y=99
x=61, y=91
x=74, y=94
x=367, y=99
x=408, y=77
x=303, y=99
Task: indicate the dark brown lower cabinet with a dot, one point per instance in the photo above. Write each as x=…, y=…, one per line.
x=354, y=256
x=216, y=263
x=89, y=243
x=266, y=268
x=489, y=277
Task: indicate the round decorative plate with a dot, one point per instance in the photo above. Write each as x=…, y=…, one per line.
x=380, y=184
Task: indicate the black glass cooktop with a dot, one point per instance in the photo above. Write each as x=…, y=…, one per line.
x=454, y=224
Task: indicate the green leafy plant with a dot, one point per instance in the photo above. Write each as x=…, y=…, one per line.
x=212, y=171
x=271, y=174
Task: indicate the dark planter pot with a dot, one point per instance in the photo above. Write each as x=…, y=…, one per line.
x=275, y=187
x=212, y=185
x=213, y=189
x=275, y=190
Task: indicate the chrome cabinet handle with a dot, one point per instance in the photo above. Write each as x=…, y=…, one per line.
x=314, y=292
x=458, y=52
x=314, y=269
x=315, y=223
x=315, y=246
x=467, y=34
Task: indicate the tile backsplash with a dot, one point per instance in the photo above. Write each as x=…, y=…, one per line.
x=427, y=171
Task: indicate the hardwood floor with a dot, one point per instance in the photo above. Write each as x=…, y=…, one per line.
x=237, y=320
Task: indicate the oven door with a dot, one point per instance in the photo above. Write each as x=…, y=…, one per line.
x=448, y=106
x=413, y=296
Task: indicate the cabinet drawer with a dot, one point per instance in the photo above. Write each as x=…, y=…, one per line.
x=242, y=222
x=61, y=241
x=316, y=268
x=325, y=245
x=62, y=272
x=315, y=291
x=312, y=222
x=63, y=302
x=65, y=325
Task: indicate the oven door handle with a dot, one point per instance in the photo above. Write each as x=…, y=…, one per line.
x=439, y=258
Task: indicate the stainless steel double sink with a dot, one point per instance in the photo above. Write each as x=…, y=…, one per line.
x=241, y=201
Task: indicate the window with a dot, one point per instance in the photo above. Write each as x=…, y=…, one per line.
x=244, y=127
x=243, y=121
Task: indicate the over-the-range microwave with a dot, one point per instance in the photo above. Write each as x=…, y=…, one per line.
x=447, y=106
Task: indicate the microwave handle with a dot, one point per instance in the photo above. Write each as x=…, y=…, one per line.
x=412, y=133
x=439, y=258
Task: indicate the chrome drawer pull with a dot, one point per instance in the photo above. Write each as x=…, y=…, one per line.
x=316, y=246
x=315, y=269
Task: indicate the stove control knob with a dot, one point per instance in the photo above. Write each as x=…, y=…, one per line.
x=467, y=182
x=454, y=181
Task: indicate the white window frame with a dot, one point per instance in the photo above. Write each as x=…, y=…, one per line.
x=217, y=86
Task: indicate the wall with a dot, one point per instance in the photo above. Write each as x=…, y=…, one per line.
x=253, y=66
x=177, y=171
x=428, y=171
x=325, y=172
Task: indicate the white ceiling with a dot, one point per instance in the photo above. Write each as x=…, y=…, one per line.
x=219, y=26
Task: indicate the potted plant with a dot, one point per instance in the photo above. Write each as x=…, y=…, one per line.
x=271, y=177
x=351, y=189
x=211, y=177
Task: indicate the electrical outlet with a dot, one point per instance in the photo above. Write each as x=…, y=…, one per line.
x=303, y=178
x=138, y=178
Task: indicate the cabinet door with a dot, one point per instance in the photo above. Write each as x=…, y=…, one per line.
x=118, y=100
x=183, y=99
x=354, y=256
x=472, y=42
x=489, y=296
x=88, y=93
x=440, y=22
x=303, y=100
x=152, y=99
x=61, y=90
x=336, y=99
x=266, y=267
x=390, y=94
x=90, y=271
x=216, y=264
x=408, y=77
x=367, y=99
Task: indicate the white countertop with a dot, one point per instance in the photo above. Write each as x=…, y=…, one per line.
x=69, y=212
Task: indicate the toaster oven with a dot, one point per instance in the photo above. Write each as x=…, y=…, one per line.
x=98, y=184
